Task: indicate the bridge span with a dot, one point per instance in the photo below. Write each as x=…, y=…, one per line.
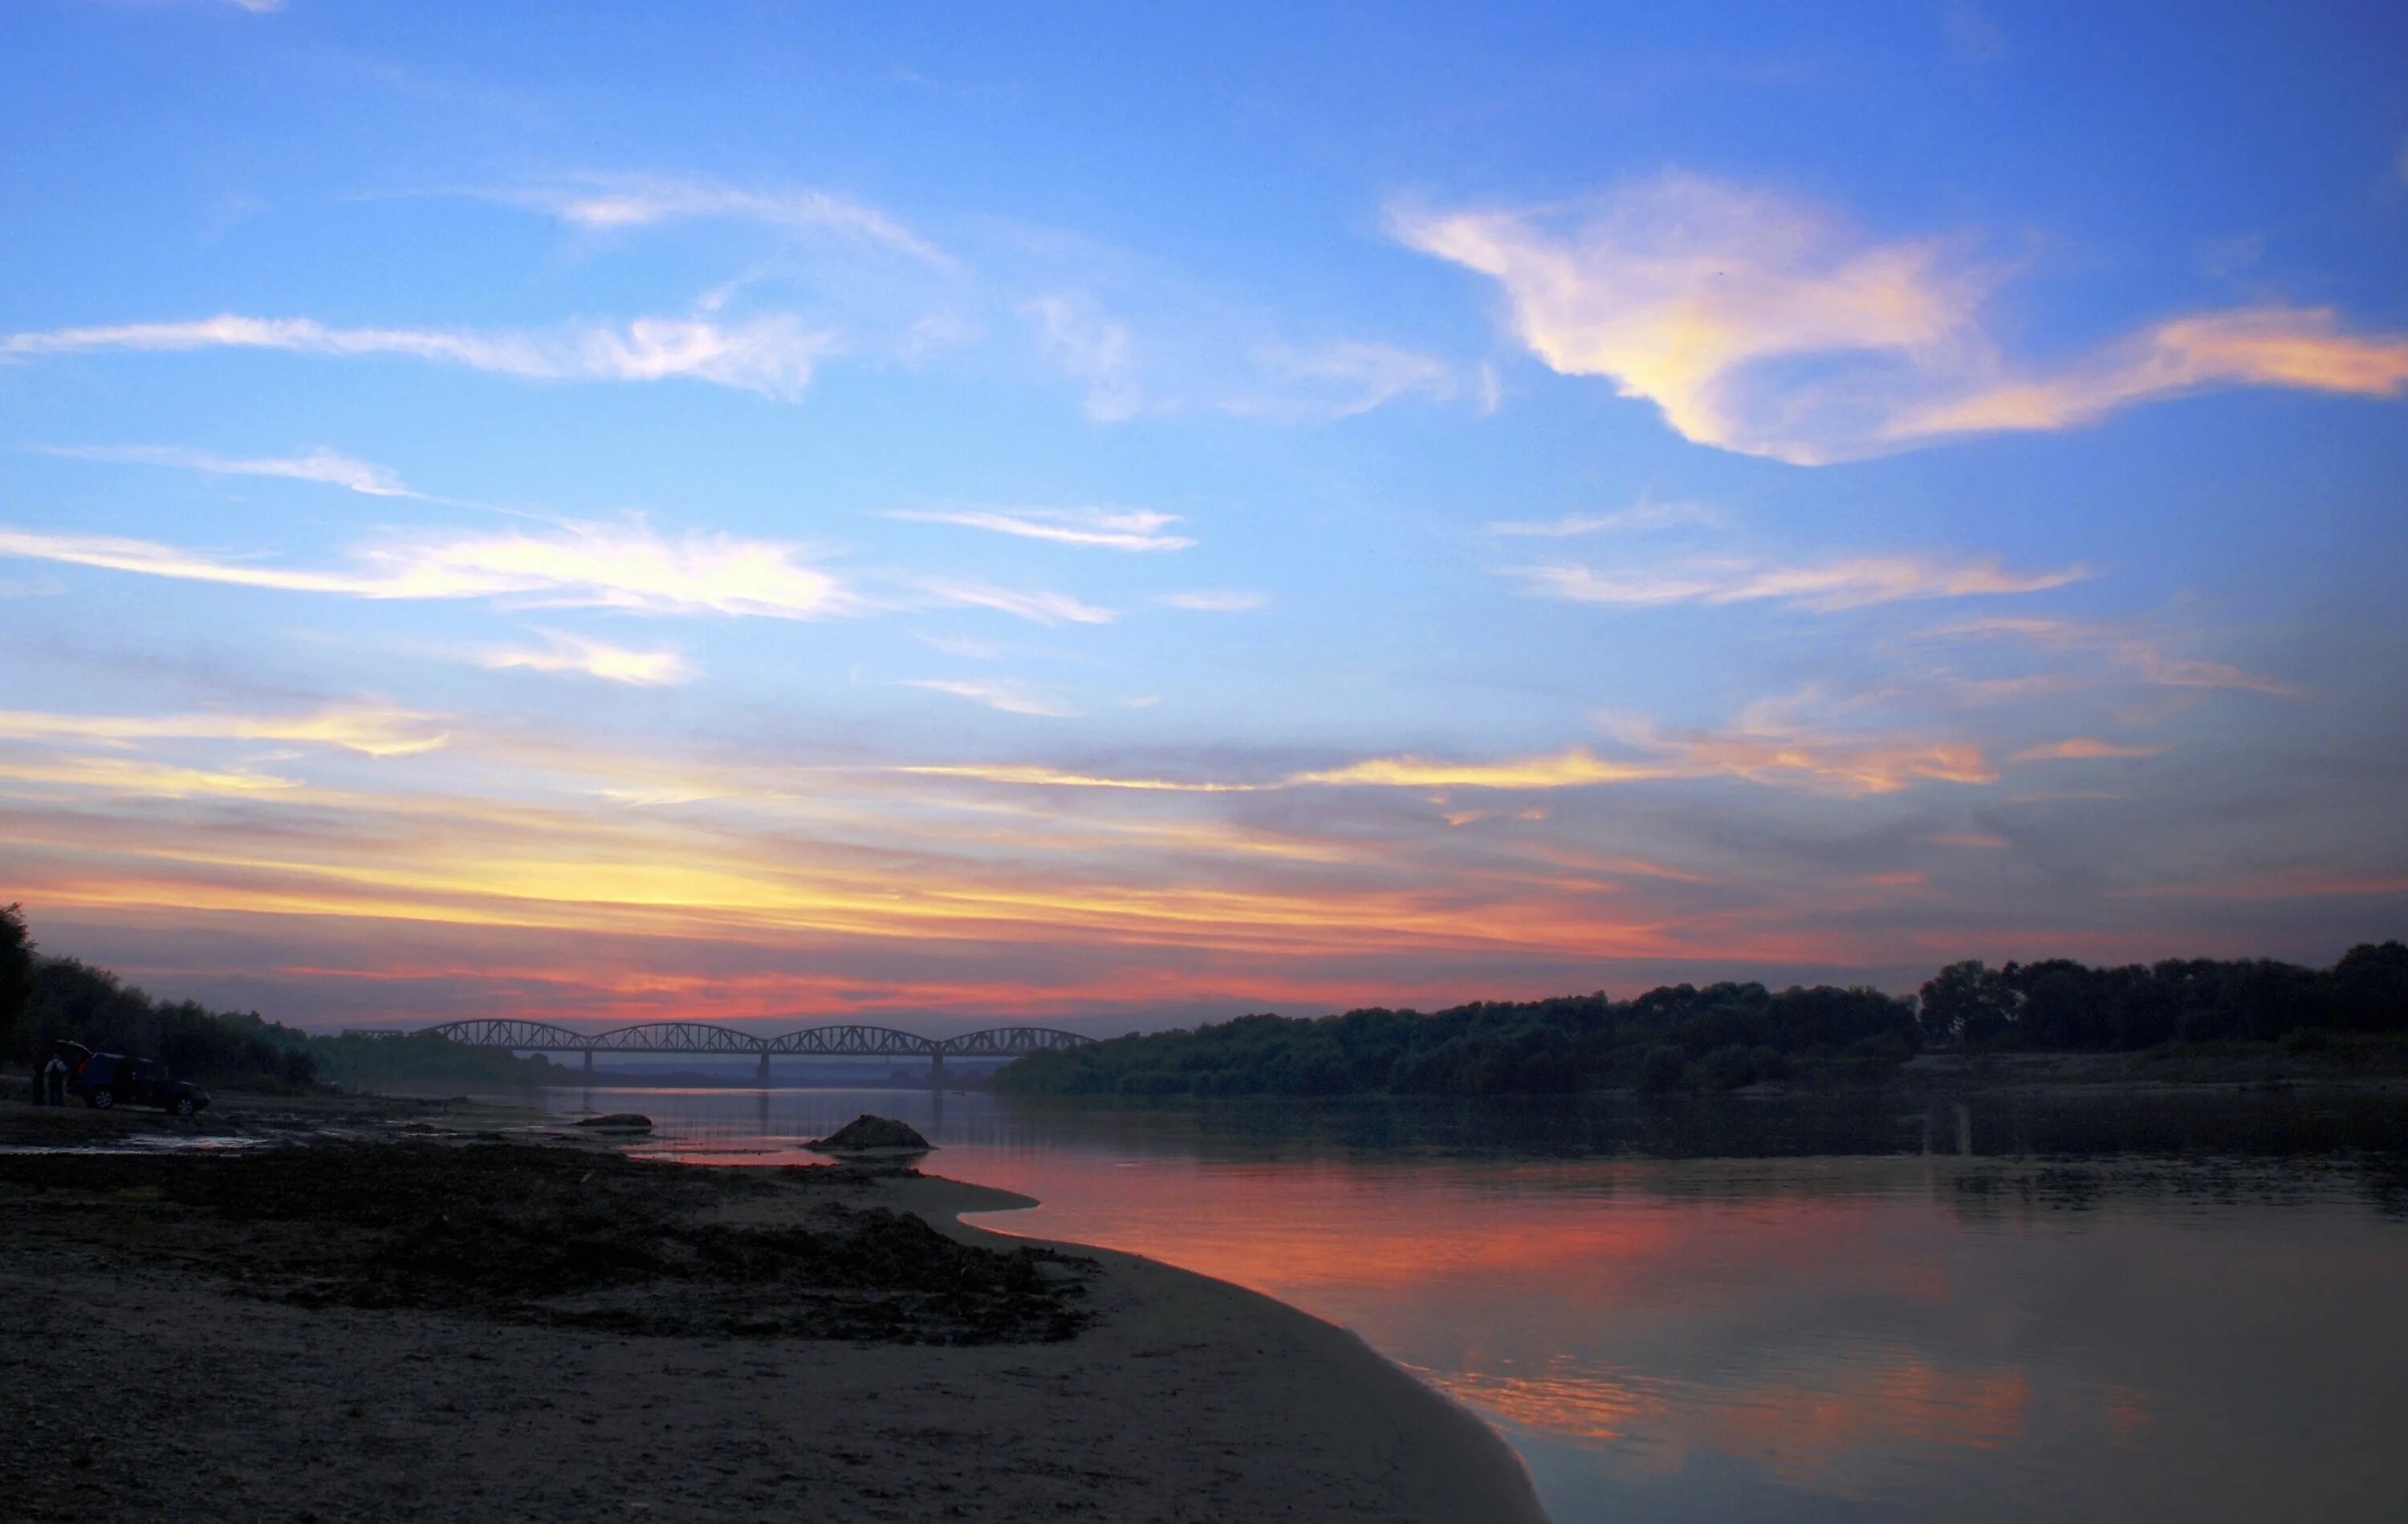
x=847, y=1040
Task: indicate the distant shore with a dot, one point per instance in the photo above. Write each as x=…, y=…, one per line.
x=194, y=1313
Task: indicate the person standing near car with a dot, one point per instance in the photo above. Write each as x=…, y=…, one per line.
x=54, y=1081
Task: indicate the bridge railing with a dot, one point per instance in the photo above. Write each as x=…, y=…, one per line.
x=832, y=1040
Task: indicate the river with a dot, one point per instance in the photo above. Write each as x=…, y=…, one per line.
x=1991, y=1311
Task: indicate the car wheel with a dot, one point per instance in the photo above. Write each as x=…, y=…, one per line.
x=182, y=1106
x=101, y=1100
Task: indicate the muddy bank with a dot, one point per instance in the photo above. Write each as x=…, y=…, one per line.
x=446, y=1327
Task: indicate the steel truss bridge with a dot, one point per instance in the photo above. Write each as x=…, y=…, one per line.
x=828, y=1042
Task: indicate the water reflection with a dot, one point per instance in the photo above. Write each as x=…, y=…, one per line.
x=2196, y=1321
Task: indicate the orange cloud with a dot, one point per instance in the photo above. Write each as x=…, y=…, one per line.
x=2082, y=747
x=1572, y=769
x=2302, y=348
x=1760, y=325
x=1679, y=289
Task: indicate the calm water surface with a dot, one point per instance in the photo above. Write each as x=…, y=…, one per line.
x=2202, y=1317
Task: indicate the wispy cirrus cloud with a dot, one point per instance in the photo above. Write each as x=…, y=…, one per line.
x=1342, y=378
x=774, y=355
x=1768, y=745
x=372, y=730
x=626, y=565
x=601, y=202
x=1834, y=587
x=1129, y=529
x=1038, y=776
x=133, y=777
x=1141, y=339
x=1764, y=745
x=319, y=465
x=1215, y=601
x=1638, y=516
x=1043, y=607
x=2134, y=651
x=1009, y=696
x=562, y=652
x=1093, y=349
x=1761, y=325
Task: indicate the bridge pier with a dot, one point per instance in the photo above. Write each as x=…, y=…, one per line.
x=763, y=1072
x=589, y=1060
x=937, y=1071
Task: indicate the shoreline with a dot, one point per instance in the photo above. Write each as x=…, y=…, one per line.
x=158, y=1365
x=1453, y=1463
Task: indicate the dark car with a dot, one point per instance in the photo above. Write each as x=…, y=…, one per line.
x=111, y=1079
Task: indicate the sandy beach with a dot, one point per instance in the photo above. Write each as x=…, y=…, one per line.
x=202, y=1337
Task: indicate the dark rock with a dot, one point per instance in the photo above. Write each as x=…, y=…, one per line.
x=867, y=1131
x=627, y=1121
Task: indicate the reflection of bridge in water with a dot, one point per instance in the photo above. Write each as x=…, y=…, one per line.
x=850, y=1041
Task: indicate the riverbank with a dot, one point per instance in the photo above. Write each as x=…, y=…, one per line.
x=324, y=1332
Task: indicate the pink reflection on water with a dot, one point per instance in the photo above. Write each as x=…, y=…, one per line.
x=1730, y=1339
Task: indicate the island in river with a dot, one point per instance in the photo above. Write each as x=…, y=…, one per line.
x=317, y=1309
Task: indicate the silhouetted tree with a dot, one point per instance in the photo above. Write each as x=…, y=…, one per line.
x=17, y=957
x=2371, y=988
x=1970, y=1004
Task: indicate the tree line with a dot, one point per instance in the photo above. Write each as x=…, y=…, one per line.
x=1679, y=1038
x=43, y=1000
x=1730, y=1034
x=46, y=999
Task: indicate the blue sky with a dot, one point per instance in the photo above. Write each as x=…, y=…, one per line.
x=1122, y=512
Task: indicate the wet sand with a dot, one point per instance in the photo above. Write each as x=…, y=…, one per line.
x=210, y=1338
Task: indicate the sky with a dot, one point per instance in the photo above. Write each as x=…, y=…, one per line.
x=1119, y=516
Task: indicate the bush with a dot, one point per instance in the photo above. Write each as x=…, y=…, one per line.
x=76, y=1003
x=1727, y=1068
x=1664, y=1070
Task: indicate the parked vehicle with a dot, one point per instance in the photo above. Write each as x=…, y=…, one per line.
x=112, y=1079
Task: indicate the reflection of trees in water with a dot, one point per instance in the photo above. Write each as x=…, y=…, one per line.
x=1995, y=1191
x=2264, y=1124
x=2385, y=1181
x=2261, y=1123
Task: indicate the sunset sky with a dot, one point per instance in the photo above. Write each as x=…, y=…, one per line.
x=1123, y=515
